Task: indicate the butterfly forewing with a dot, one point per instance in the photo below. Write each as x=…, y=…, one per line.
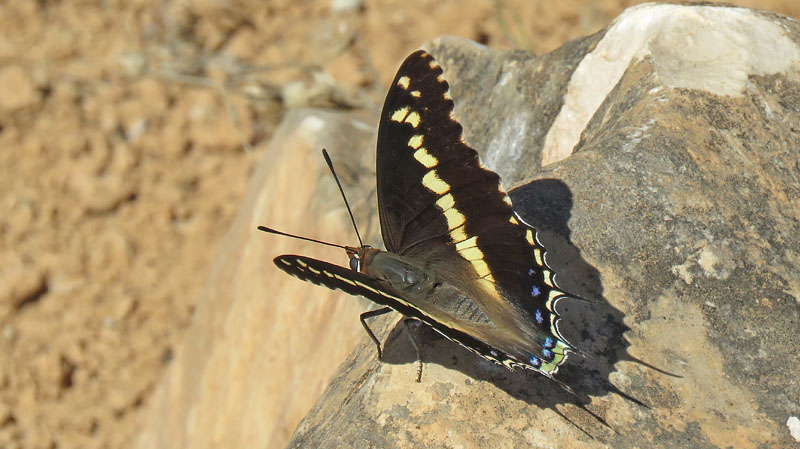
x=338, y=278
x=440, y=205
x=415, y=121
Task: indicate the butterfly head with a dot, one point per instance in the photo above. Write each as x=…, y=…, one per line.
x=355, y=258
x=359, y=257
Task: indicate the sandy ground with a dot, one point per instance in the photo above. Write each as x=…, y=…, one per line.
x=128, y=131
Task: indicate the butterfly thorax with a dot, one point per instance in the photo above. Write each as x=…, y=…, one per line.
x=395, y=271
x=432, y=293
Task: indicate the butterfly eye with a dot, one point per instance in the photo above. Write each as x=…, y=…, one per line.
x=355, y=263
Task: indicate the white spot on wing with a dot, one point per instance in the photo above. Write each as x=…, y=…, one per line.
x=458, y=234
x=344, y=279
x=554, y=295
x=363, y=285
x=413, y=119
x=483, y=271
x=446, y=202
x=403, y=82
x=454, y=218
x=537, y=253
x=423, y=157
x=434, y=183
x=400, y=114
x=415, y=141
x=472, y=254
x=547, y=274
x=471, y=242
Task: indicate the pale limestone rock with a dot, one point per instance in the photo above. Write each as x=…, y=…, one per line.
x=17, y=89
x=263, y=346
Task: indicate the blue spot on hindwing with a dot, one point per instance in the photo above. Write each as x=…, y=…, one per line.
x=531, y=271
x=535, y=361
x=548, y=354
x=548, y=343
x=539, y=317
x=535, y=291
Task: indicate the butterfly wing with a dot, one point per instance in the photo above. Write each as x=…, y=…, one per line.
x=337, y=277
x=439, y=205
x=416, y=119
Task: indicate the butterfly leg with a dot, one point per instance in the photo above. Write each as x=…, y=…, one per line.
x=371, y=314
x=407, y=323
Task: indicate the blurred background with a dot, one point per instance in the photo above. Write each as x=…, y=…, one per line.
x=128, y=133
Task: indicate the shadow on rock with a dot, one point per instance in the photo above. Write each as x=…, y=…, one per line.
x=596, y=327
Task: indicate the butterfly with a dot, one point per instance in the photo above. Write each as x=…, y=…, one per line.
x=458, y=258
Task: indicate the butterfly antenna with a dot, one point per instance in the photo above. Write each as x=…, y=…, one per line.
x=273, y=231
x=349, y=211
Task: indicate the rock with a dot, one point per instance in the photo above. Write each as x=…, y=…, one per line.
x=319, y=92
x=99, y=195
x=17, y=89
x=345, y=6
x=20, y=284
x=659, y=159
x=793, y=423
x=263, y=346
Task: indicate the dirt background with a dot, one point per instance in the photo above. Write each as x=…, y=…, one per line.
x=128, y=131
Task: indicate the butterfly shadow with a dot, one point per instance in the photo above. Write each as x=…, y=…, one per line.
x=594, y=326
